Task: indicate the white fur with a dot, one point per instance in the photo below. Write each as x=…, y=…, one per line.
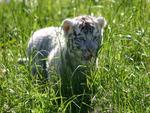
x=51, y=43
x=50, y=39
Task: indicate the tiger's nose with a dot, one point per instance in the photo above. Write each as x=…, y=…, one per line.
x=88, y=55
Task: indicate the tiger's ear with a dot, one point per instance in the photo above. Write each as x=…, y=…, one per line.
x=101, y=21
x=67, y=25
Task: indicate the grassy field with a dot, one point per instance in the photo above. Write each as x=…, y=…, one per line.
x=122, y=82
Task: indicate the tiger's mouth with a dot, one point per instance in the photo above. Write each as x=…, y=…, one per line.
x=84, y=58
x=88, y=60
x=88, y=56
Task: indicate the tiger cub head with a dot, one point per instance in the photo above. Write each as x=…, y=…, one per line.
x=83, y=37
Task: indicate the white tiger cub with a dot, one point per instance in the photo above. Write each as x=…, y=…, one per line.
x=75, y=43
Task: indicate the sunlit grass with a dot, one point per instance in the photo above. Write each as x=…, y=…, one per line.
x=120, y=85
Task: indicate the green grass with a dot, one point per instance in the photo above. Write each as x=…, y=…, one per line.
x=122, y=82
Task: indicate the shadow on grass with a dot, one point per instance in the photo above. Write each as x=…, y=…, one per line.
x=76, y=91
